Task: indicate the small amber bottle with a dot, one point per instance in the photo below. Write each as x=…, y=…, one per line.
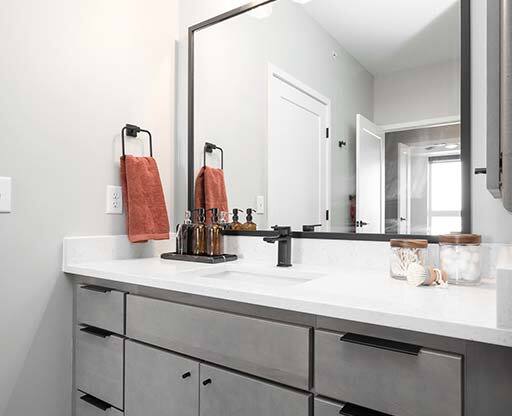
x=249, y=225
x=235, y=225
x=199, y=234
x=214, y=237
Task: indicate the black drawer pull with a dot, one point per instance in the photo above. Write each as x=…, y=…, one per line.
x=186, y=375
x=93, y=401
x=207, y=381
x=382, y=344
x=96, y=289
x=96, y=331
x=353, y=410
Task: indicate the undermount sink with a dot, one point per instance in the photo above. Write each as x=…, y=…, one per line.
x=263, y=277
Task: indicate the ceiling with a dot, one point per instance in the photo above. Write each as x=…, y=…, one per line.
x=392, y=35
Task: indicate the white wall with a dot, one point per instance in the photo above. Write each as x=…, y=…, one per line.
x=72, y=73
x=427, y=92
x=489, y=217
x=231, y=84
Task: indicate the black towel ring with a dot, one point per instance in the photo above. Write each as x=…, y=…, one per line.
x=132, y=131
x=209, y=148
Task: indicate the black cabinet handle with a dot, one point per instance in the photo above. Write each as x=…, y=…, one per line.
x=353, y=410
x=96, y=289
x=382, y=344
x=186, y=375
x=480, y=171
x=93, y=401
x=96, y=331
x=207, y=381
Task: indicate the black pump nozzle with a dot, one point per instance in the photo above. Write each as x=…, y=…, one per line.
x=215, y=214
x=249, y=212
x=235, y=214
x=201, y=214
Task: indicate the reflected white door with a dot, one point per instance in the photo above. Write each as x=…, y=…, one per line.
x=404, y=189
x=298, y=153
x=369, y=176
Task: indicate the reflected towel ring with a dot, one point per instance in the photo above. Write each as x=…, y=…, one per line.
x=132, y=131
x=209, y=148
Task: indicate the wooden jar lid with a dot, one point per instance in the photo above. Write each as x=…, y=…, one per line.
x=404, y=243
x=460, y=239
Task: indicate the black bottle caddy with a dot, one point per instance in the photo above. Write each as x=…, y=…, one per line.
x=200, y=259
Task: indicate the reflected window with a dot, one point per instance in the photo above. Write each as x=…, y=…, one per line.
x=445, y=195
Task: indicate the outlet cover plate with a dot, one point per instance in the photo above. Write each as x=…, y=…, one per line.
x=5, y=195
x=114, y=200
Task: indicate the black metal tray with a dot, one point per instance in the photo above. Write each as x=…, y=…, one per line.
x=199, y=259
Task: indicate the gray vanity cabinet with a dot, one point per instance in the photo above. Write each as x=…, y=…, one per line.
x=223, y=393
x=159, y=382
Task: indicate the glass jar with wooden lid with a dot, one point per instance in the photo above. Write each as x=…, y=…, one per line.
x=405, y=252
x=460, y=256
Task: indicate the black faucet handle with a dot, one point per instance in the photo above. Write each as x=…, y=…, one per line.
x=310, y=227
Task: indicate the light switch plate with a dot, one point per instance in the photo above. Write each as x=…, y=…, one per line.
x=260, y=204
x=114, y=200
x=5, y=194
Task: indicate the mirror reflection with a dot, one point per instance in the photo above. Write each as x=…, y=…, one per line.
x=333, y=112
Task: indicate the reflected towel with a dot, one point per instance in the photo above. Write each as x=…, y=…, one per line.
x=210, y=190
x=146, y=213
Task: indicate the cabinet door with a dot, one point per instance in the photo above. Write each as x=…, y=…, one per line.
x=159, y=383
x=224, y=393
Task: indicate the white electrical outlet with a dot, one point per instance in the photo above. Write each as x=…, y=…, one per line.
x=260, y=204
x=114, y=200
x=5, y=194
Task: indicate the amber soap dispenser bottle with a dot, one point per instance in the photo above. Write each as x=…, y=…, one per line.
x=249, y=225
x=199, y=234
x=214, y=237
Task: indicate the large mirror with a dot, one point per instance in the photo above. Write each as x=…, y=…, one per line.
x=342, y=113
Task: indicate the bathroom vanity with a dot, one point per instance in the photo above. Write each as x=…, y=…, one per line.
x=157, y=337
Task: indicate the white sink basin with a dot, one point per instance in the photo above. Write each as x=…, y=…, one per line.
x=261, y=278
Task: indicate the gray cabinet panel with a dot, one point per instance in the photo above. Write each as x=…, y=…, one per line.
x=99, y=366
x=230, y=394
x=268, y=349
x=102, y=309
x=82, y=408
x=391, y=382
x=325, y=407
x=159, y=383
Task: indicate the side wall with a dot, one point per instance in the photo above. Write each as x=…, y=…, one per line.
x=72, y=74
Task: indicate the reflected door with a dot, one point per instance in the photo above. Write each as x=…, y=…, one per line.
x=298, y=153
x=369, y=176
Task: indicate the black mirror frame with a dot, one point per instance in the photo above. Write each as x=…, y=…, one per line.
x=465, y=123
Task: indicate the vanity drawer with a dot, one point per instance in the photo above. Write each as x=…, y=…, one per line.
x=271, y=350
x=393, y=378
x=100, y=364
x=100, y=307
x=87, y=405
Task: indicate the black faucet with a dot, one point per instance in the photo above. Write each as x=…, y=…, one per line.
x=284, y=238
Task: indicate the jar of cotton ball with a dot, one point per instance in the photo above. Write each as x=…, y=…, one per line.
x=460, y=258
x=407, y=252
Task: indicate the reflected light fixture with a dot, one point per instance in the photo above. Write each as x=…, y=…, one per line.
x=261, y=12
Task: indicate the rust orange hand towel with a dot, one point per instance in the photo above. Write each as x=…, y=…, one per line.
x=210, y=190
x=146, y=213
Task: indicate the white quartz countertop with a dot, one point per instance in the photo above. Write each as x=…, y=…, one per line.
x=359, y=295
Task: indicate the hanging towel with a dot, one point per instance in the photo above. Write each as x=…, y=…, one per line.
x=146, y=213
x=210, y=190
